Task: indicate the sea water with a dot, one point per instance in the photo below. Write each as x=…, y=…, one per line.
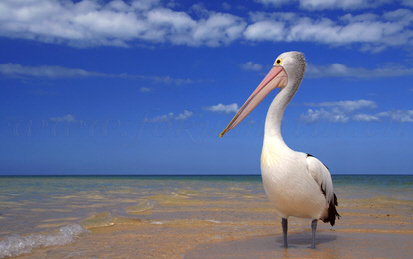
x=42, y=211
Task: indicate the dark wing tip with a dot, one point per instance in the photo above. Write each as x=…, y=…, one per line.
x=332, y=212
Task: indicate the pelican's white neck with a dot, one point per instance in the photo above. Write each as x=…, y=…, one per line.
x=275, y=113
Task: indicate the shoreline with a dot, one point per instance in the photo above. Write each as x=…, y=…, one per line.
x=191, y=238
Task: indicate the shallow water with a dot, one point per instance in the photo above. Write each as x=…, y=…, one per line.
x=197, y=209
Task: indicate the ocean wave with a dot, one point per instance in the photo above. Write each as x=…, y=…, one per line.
x=16, y=245
x=142, y=207
x=103, y=219
x=214, y=221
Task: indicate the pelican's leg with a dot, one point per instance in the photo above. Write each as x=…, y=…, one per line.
x=313, y=227
x=284, y=223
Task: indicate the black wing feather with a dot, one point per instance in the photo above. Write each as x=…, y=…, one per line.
x=332, y=211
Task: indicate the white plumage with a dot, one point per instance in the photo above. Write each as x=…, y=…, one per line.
x=298, y=184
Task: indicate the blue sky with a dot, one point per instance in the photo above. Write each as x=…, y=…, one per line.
x=145, y=87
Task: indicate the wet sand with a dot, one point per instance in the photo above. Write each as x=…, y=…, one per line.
x=246, y=226
x=329, y=245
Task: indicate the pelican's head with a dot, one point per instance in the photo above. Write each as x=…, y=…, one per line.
x=288, y=71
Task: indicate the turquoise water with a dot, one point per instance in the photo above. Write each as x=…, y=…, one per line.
x=51, y=208
x=369, y=186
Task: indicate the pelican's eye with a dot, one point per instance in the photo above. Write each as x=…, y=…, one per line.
x=279, y=61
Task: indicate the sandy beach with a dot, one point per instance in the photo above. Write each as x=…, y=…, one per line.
x=239, y=224
x=200, y=240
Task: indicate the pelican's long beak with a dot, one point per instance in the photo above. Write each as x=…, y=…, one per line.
x=274, y=79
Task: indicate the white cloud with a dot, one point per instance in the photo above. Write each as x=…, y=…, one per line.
x=163, y=79
x=265, y=30
x=16, y=70
x=230, y=108
x=275, y=3
x=251, y=66
x=145, y=89
x=365, y=117
x=65, y=118
x=341, y=111
x=345, y=111
x=117, y=23
x=370, y=32
x=348, y=106
x=407, y=3
x=170, y=116
x=341, y=4
x=332, y=4
x=340, y=70
x=316, y=115
x=218, y=29
x=160, y=118
x=183, y=116
x=398, y=115
x=90, y=23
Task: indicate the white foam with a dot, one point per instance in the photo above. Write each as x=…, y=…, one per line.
x=15, y=245
x=214, y=221
x=157, y=222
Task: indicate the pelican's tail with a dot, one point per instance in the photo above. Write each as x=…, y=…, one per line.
x=332, y=212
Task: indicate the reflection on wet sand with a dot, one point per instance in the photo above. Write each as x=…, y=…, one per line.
x=329, y=245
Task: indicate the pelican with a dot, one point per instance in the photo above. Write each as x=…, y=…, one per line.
x=296, y=183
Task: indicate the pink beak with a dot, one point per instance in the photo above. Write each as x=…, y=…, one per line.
x=274, y=79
